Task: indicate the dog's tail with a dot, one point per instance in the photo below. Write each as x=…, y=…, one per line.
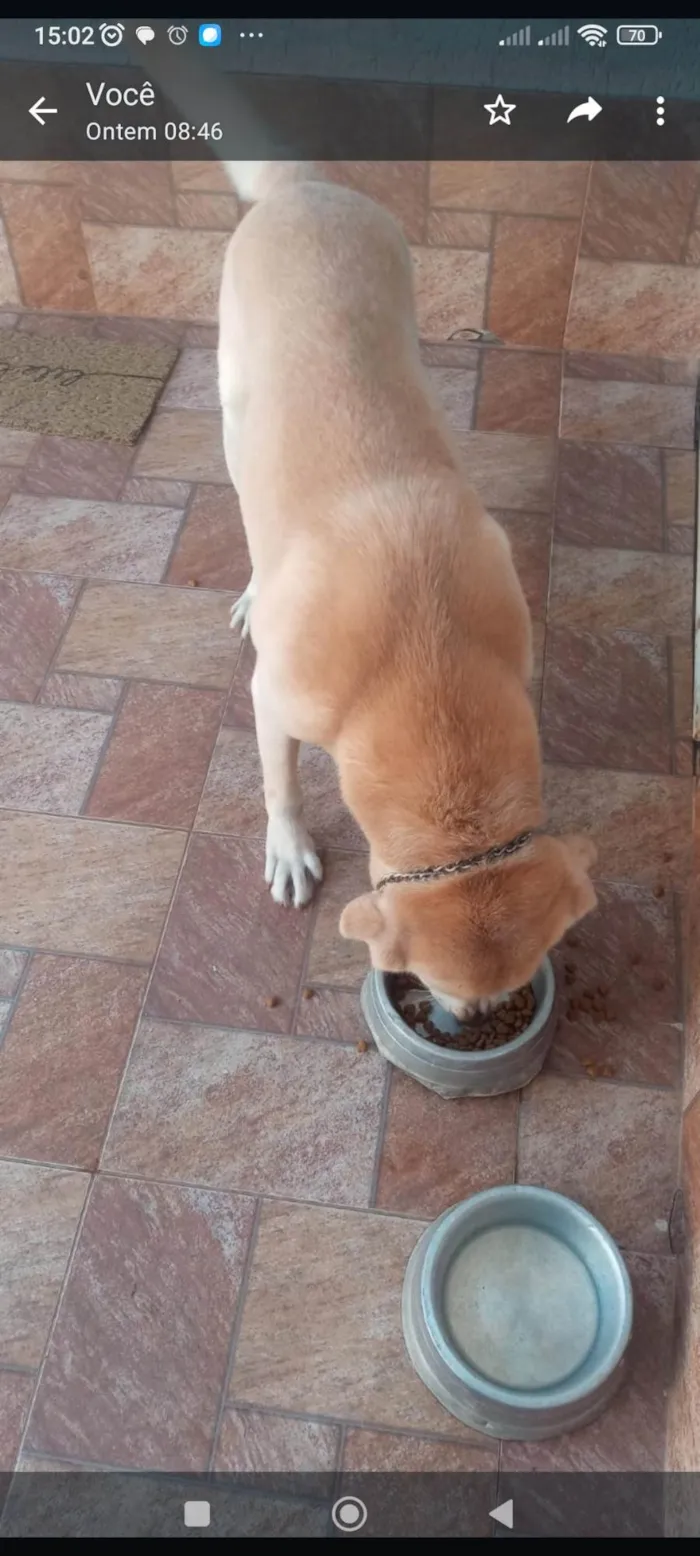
x=203, y=95
x=254, y=181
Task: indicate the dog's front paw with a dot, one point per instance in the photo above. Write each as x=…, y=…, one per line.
x=291, y=862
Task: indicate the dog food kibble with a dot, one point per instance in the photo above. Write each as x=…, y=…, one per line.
x=659, y=891
x=271, y=1001
x=362, y=1046
x=493, y=1030
x=593, y=1002
x=307, y=994
x=596, y=1070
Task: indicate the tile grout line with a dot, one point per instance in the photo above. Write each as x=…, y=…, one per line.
x=104, y=748
x=97, y=821
x=340, y=1455
x=45, y=1166
x=132, y=680
x=235, y=1332
x=246, y=1407
x=550, y=562
x=308, y=943
x=680, y=960
x=664, y=500
x=381, y=1136
x=360, y=1424
x=186, y=511
x=106, y=580
x=690, y=229
x=577, y=257
x=518, y=1124
x=681, y=983
x=266, y=1196
x=16, y=271
x=491, y=261
x=82, y=583
x=636, y=884
x=656, y=556
x=499, y=1469
x=498, y=210
x=142, y=1008
x=476, y=397
x=425, y=223
x=194, y=830
x=670, y=712
x=675, y=1304
x=92, y=1178
x=257, y=1032
x=677, y=780
x=15, y=998
x=81, y=956
x=663, y=776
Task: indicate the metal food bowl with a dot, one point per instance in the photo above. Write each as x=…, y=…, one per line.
x=454, y=1072
x=517, y=1312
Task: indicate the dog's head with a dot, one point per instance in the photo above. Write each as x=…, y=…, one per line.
x=471, y=939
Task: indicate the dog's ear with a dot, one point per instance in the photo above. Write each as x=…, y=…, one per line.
x=581, y=850
x=581, y=855
x=366, y=919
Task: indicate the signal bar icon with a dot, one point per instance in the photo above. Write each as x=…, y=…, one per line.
x=555, y=39
x=519, y=39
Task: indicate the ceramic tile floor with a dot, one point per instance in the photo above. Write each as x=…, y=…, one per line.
x=208, y=1202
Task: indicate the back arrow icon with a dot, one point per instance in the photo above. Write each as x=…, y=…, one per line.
x=503, y=1514
x=37, y=111
x=588, y=110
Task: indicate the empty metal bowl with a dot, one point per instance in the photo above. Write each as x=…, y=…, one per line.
x=517, y=1312
x=454, y=1072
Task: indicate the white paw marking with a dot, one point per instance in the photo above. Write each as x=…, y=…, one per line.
x=291, y=862
x=240, y=612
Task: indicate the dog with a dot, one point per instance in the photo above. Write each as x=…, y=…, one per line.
x=388, y=621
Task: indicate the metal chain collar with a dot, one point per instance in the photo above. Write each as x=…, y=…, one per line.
x=461, y=866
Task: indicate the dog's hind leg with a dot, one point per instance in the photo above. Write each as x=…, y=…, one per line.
x=240, y=610
x=232, y=395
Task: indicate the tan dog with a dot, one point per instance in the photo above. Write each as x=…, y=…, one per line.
x=389, y=623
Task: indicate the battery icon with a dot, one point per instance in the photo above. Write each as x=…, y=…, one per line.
x=646, y=34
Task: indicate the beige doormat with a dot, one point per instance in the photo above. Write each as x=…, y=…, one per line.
x=72, y=388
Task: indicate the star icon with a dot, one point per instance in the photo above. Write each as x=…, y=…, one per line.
x=500, y=111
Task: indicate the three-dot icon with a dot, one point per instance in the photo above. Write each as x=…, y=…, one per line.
x=660, y=108
x=349, y=1514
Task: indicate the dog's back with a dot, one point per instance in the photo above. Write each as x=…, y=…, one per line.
x=348, y=471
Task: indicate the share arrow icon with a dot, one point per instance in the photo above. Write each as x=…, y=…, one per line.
x=588, y=110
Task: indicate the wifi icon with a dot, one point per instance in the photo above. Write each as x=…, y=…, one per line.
x=593, y=34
